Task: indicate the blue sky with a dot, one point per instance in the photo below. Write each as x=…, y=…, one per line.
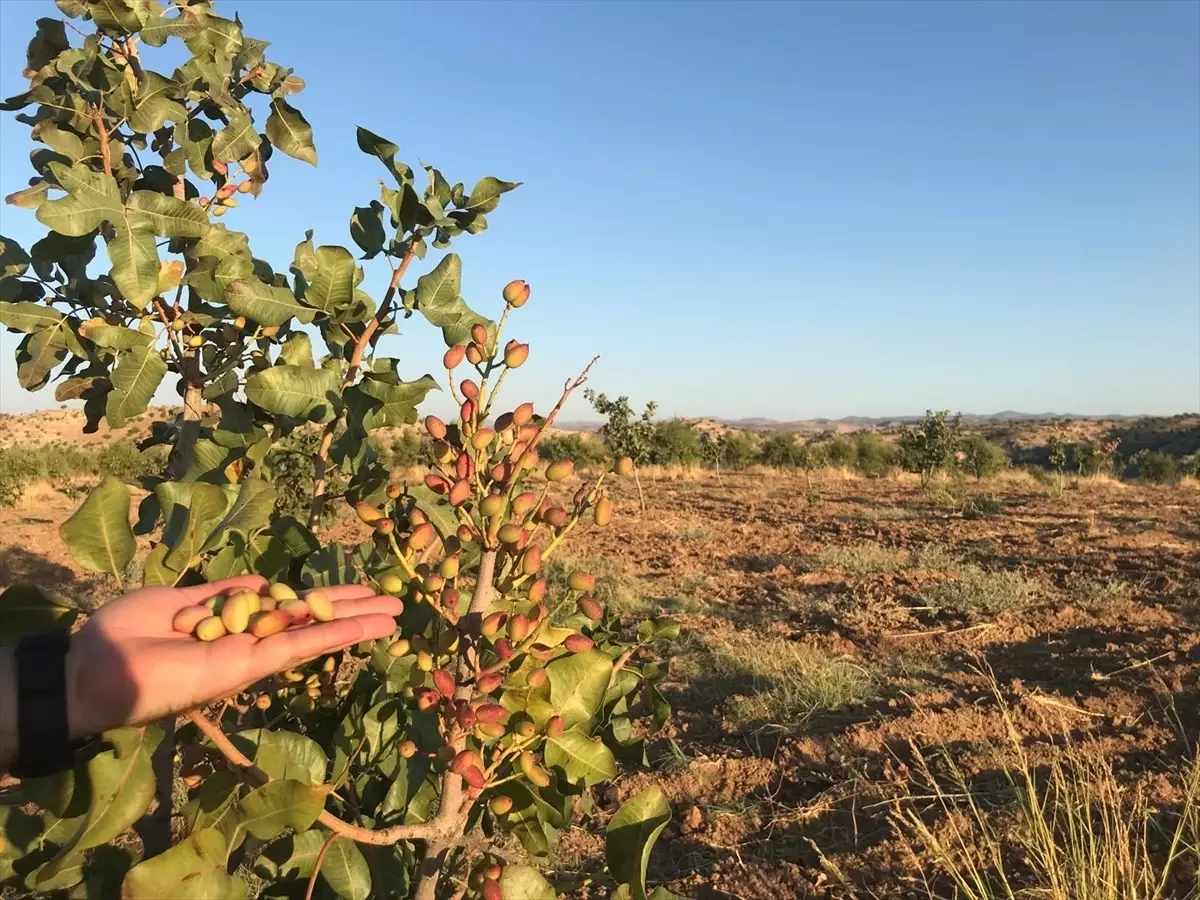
x=780, y=210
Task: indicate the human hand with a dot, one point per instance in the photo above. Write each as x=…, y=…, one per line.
x=128, y=666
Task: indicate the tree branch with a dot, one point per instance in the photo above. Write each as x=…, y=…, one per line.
x=568, y=389
x=321, y=458
x=382, y=837
x=102, y=134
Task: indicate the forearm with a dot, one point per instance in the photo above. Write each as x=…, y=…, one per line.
x=8, y=708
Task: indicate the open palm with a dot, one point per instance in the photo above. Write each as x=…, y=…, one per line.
x=128, y=666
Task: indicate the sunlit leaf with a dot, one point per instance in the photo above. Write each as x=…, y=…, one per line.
x=290, y=132
x=134, y=381
x=99, y=533
x=630, y=837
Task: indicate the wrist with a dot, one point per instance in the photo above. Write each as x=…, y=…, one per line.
x=81, y=715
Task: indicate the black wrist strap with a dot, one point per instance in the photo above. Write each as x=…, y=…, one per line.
x=43, y=733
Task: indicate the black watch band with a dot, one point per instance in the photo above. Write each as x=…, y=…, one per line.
x=43, y=732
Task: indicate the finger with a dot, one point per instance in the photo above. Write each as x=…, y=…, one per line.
x=201, y=592
x=366, y=606
x=291, y=648
x=339, y=592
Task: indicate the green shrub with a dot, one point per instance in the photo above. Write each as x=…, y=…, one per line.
x=61, y=465
x=780, y=450
x=581, y=451
x=674, y=442
x=838, y=452
x=731, y=450
x=1156, y=467
x=407, y=450
x=123, y=459
x=873, y=456
x=980, y=457
x=623, y=434
x=981, y=506
x=932, y=445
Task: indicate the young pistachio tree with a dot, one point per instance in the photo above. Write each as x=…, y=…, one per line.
x=416, y=766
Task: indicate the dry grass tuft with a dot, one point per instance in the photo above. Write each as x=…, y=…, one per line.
x=788, y=681
x=1076, y=828
x=977, y=592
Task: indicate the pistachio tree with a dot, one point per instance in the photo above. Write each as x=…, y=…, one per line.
x=438, y=762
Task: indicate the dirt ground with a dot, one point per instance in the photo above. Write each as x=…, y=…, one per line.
x=836, y=631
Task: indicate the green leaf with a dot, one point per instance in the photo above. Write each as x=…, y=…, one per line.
x=193, y=869
x=135, y=262
x=29, y=317
x=120, y=785
x=291, y=857
x=630, y=837
x=113, y=337
x=169, y=216
x=437, y=298
x=250, y=512
x=216, y=36
x=50, y=40
x=155, y=572
x=525, y=883
x=115, y=15
x=332, y=287
x=59, y=874
x=577, y=685
x=207, y=506
x=210, y=805
x=366, y=228
x=385, y=151
x=284, y=755
x=392, y=404
x=37, y=356
x=98, y=533
x=290, y=132
x=92, y=198
x=155, y=103
x=297, y=539
x=134, y=381
x=485, y=196
x=158, y=27
x=13, y=258
x=346, y=871
x=264, y=303
x=64, y=142
x=238, y=139
x=280, y=805
x=581, y=757
x=29, y=198
x=25, y=608
x=311, y=394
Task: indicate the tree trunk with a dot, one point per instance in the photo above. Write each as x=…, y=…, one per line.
x=184, y=451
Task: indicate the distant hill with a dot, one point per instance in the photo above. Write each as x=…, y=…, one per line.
x=859, y=423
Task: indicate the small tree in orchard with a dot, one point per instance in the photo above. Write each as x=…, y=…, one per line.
x=408, y=767
x=932, y=445
x=623, y=434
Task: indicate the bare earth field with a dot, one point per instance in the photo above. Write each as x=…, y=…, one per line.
x=852, y=650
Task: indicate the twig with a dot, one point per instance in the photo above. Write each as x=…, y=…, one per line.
x=102, y=134
x=312, y=879
x=321, y=459
x=383, y=837
x=1101, y=676
x=1067, y=707
x=568, y=388
x=907, y=634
